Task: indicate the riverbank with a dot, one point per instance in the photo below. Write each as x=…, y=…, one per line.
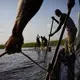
x=32, y=44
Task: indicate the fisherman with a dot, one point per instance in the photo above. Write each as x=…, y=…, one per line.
x=71, y=35
x=38, y=41
x=44, y=40
x=27, y=9
x=41, y=41
x=70, y=27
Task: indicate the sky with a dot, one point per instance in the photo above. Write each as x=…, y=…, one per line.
x=39, y=24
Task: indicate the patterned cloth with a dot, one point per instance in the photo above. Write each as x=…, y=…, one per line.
x=77, y=65
x=64, y=72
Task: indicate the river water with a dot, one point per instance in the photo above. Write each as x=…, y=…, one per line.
x=18, y=67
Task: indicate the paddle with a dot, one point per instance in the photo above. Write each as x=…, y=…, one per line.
x=50, y=33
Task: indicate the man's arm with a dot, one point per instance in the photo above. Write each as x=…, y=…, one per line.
x=55, y=19
x=55, y=31
x=26, y=10
x=59, y=27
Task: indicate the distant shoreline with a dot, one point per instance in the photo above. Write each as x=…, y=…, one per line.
x=32, y=44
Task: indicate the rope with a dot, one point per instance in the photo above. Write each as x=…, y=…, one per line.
x=34, y=62
x=28, y=58
x=3, y=54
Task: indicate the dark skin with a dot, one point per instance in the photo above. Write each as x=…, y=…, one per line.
x=27, y=10
x=70, y=5
x=55, y=19
x=59, y=27
x=25, y=14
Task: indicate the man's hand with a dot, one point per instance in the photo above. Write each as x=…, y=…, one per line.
x=14, y=44
x=51, y=35
x=70, y=4
x=53, y=17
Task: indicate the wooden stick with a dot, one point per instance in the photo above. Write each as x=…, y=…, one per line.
x=50, y=33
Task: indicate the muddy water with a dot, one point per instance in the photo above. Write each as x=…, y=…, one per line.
x=18, y=67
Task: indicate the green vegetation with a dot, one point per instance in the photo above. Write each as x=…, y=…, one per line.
x=52, y=43
x=55, y=42
x=1, y=46
x=32, y=44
